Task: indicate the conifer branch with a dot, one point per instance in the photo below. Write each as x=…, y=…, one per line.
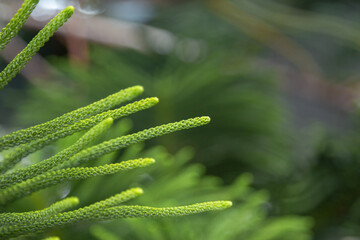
x=41, y=130
x=124, y=141
x=15, y=24
x=33, y=47
x=15, y=218
x=54, y=177
x=38, y=131
x=13, y=157
x=81, y=215
x=38, y=168
x=25, y=149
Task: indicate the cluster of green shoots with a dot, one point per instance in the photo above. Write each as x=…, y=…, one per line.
x=94, y=120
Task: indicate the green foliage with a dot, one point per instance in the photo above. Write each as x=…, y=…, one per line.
x=121, y=142
x=54, y=177
x=37, y=133
x=40, y=175
x=36, y=169
x=13, y=218
x=225, y=81
x=91, y=214
x=35, y=44
x=236, y=95
x=68, y=119
x=54, y=170
x=326, y=187
x=174, y=181
x=15, y=24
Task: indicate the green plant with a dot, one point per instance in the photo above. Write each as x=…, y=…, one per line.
x=35, y=44
x=173, y=180
x=229, y=89
x=98, y=117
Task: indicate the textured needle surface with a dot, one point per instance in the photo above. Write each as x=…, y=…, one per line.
x=66, y=120
x=33, y=47
x=121, y=142
x=55, y=177
x=38, y=168
x=12, y=218
x=113, y=213
x=15, y=24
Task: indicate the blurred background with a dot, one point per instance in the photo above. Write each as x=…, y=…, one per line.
x=280, y=80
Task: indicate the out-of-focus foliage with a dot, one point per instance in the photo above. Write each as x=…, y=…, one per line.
x=302, y=34
x=326, y=187
x=248, y=131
